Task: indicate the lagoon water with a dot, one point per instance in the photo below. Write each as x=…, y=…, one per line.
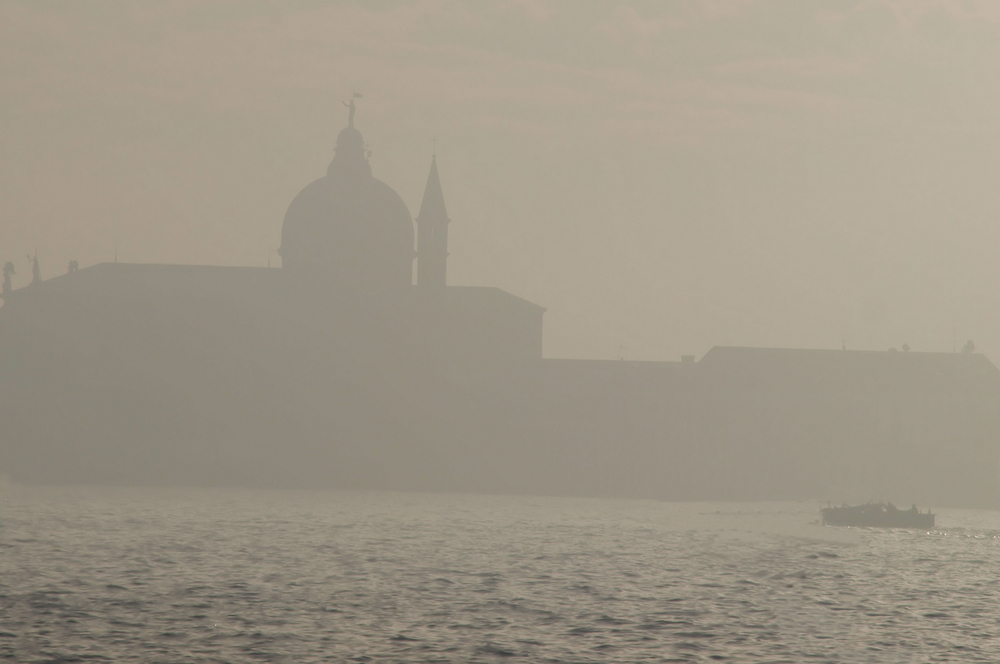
x=194, y=575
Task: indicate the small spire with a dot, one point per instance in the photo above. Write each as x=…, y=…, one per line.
x=432, y=236
x=432, y=208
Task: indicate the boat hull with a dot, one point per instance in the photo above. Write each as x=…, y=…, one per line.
x=876, y=516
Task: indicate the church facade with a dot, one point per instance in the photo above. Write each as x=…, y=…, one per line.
x=337, y=370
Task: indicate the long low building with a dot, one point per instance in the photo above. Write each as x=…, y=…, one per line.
x=788, y=424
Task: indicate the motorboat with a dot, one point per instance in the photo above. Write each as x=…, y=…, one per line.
x=877, y=515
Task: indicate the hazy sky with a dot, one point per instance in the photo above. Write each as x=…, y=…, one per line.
x=663, y=176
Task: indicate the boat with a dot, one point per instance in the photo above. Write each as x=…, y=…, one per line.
x=877, y=515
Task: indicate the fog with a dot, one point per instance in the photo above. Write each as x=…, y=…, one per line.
x=757, y=187
x=537, y=330
x=662, y=177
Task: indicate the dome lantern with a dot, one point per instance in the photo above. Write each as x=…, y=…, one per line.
x=349, y=228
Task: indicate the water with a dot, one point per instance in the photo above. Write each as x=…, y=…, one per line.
x=156, y=575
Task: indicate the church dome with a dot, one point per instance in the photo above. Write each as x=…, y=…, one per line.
x=349, y=227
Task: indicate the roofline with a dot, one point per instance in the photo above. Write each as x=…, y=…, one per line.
x=830, y=351
x=115, y=265
x=500, y=290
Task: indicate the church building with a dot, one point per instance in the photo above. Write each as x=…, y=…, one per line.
x=336, y=369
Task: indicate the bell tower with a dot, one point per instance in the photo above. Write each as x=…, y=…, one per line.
x=432, y=235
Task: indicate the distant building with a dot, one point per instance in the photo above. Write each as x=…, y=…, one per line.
x=338, y=370
x=781, y=424
x=349, y=229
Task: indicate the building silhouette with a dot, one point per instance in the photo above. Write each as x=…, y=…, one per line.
x=338, y=370
x=349, y=229
x=432, y=235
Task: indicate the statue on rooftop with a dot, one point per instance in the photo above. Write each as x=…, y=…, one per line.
x=36, y=269
x=351, y=108
x=8, y=272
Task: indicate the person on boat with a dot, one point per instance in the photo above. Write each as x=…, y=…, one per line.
x=913, y=508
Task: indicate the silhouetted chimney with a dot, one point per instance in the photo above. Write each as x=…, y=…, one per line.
x=432, y=234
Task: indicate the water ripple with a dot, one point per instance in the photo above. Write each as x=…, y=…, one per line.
x=102, y=575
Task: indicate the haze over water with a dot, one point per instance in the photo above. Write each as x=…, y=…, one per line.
x=662, y=178
x=171, y=575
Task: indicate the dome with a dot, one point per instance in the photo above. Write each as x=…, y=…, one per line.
x=349, y=227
